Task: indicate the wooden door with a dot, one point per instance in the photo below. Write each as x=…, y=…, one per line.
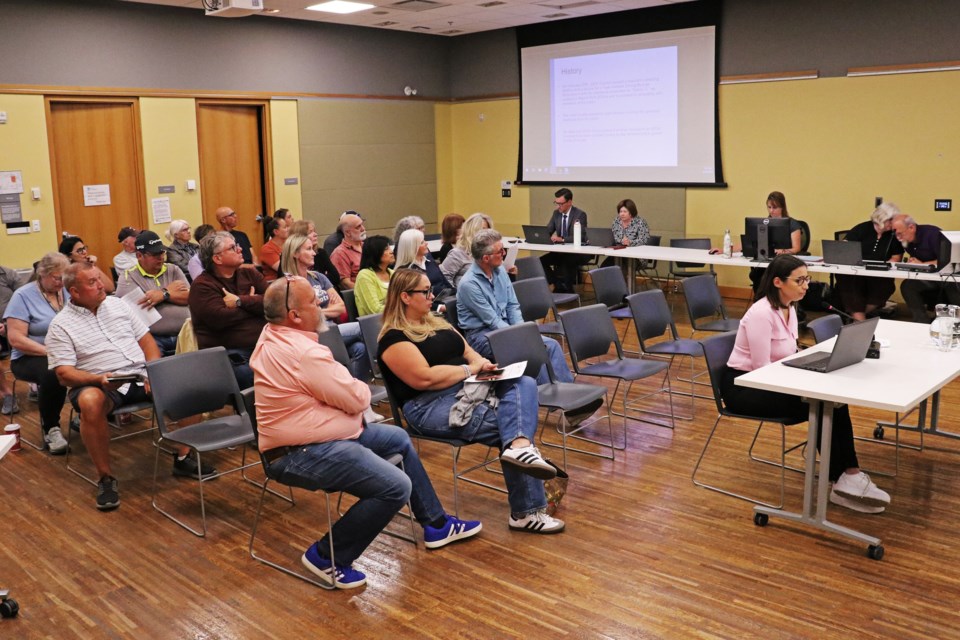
x=234, y=166
x=97, y=142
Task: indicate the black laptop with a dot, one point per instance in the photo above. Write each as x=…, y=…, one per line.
x=850, y=348
x=536, y=235
x=842, y=252
x=600, y=237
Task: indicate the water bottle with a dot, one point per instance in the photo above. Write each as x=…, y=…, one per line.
x=727, y=245
x=576, y=233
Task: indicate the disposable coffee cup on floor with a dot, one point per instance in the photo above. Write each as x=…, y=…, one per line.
x=13, y=429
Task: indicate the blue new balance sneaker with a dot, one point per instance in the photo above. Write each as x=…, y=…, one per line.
x=340, y=577
x=454, y=529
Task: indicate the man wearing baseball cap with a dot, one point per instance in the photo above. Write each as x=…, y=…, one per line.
x=128, y=256
x=164, y=289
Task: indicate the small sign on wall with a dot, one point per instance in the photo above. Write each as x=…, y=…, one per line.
x=161, y=210
x=10, y=210
x=11, y=182
x=96, y=195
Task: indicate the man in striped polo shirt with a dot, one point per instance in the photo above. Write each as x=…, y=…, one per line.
x=100, y=349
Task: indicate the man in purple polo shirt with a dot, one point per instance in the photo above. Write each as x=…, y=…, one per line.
x=922, y=243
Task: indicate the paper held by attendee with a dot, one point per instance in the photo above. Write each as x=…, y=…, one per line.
x=509, y=372
x=147, y=315
x=512, y=251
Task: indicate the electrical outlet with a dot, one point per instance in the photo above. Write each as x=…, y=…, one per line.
x=36, y=226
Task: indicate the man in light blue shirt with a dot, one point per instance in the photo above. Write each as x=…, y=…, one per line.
x=486, y=301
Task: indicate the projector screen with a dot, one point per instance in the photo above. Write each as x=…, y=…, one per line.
x=630, y=109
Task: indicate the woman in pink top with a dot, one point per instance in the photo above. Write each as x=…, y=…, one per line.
x=768, y=333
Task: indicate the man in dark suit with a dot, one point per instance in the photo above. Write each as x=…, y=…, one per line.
x=561, y=268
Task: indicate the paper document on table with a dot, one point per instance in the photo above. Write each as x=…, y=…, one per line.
x=512, y=251
x=509, y=372
x=147, y=315
x=6, y=443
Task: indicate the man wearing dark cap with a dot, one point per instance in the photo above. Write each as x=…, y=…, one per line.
x=128, y=256
x=163, y=287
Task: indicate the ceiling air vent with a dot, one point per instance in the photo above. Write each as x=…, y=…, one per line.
x=556, y=15
x=416, y=5
x=450, y=32
x=386, y=23
x=563, y=6
x=495, y=3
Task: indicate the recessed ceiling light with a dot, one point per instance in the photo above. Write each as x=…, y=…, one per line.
x=340, y=6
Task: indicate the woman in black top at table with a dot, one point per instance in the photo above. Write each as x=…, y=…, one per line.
x=861, y=295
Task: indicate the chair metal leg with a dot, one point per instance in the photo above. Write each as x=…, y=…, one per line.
x=306, y=578
x=739, y=496
x=30, y=443
x=632, y=405
x=774, y=463
x=565, y=432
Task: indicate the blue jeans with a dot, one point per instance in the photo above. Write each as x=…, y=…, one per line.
x=358, y=467
x=166, y=344
x=516, y=416
x=477, y=339
x=240, y=361
x=357, y=349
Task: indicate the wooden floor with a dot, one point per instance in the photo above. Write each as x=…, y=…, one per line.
x=645, y=555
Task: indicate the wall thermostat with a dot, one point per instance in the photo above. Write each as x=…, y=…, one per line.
x=943, y=205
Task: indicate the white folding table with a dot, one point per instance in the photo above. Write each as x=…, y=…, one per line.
x=909, y=370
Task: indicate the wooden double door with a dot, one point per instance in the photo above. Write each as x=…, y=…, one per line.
x=97, y=143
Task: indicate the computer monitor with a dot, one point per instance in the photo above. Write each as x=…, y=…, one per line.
x=764, y=236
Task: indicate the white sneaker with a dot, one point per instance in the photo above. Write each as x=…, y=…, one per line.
x=528, y=460
x=862, y=507
x=55, y=442
x=372, y=416
x=537, y=522
x=859, y=487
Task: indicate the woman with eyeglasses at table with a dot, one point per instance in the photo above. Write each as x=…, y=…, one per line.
x=373, y=278
x=768, y=333
x=76, y=250
x=424, y=362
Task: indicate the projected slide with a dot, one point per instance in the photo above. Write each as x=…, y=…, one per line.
x=629, y=109
x=615, y=109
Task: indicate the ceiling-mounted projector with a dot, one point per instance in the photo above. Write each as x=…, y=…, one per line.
x=234, y=8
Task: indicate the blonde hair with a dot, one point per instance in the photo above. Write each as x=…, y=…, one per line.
x=302, y=227
x=395, y=311
x=470, y=228
x=288, y=255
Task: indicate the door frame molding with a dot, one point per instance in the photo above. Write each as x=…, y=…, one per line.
x=266, y=143
x=140, y=179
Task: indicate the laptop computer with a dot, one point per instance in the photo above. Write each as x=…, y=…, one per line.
x=842, y=252
x=850, y=348
x=536, y=235
x=602, y=237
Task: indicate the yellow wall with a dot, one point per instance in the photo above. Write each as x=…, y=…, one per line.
x=286, y=156
x=832, y=145
x=482, y=154
x=171, y=157
x=23, y=147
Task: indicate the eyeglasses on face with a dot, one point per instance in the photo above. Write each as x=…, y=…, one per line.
x=80, y=249
x=802, y=280
x=234, y=247
x=427, y=293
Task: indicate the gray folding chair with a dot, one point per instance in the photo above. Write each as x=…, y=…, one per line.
x=191, y=384
x=370, y=330
x=704, y=301
x=653, y=320
x=825, y=327
x=716, y=351
x=350, y=301
x=523, y=342
x=531, y=267
x=456, y=446
x=121, y=431
x=333, y=340
x=611, y=289
x=683, y=270
x=536, y=303
x=590, y=334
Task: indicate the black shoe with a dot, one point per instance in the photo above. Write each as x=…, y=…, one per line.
x=576, y=416
x=187, y=468
x=107, y=495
